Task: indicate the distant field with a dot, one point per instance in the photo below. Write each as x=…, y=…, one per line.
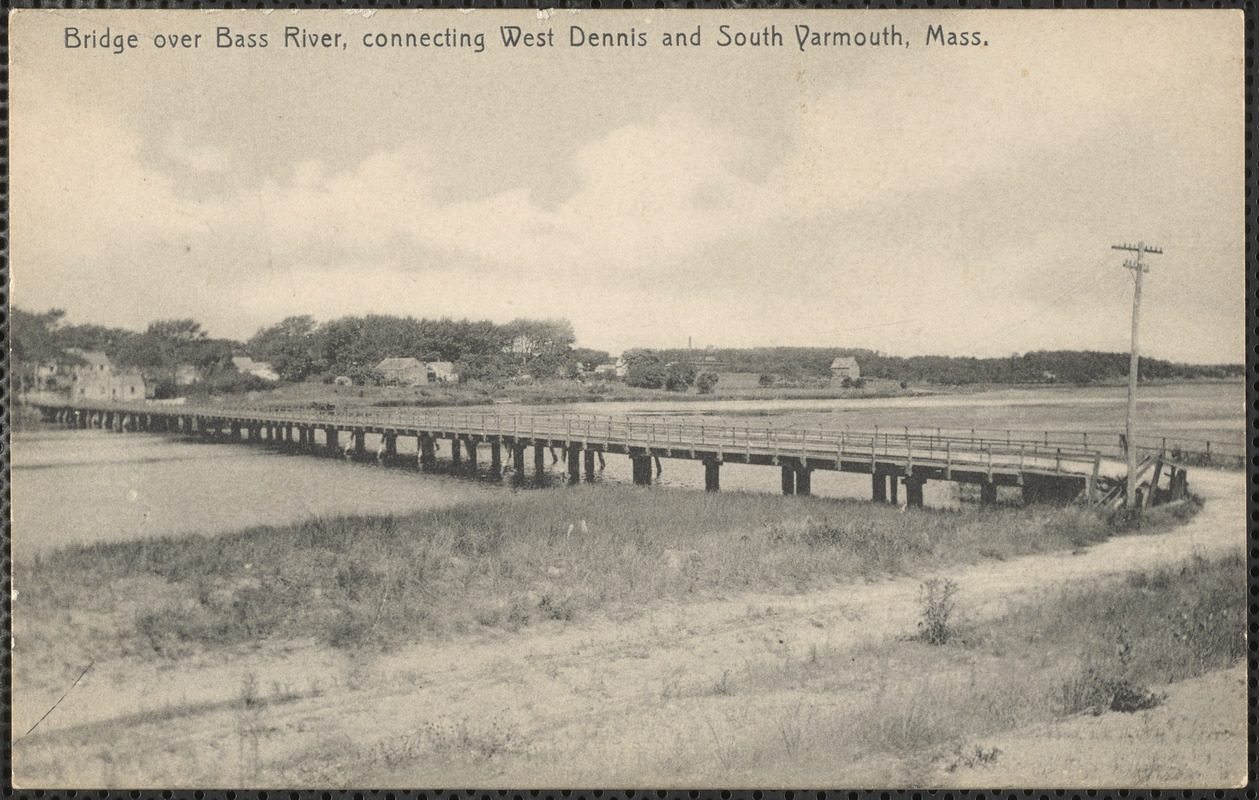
x=1190, y=414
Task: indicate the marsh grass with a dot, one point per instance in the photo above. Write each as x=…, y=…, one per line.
x=506, y=563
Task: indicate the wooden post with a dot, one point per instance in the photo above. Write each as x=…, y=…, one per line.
x=894, y=490
x=589, y=456
x=470, y=446
x=496, y=457
x=788, y=479
x=1092, y=479
x=456, y=454
x=1158, y=473
x=878, y=483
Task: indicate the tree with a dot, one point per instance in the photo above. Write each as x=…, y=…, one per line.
x=679, y=376
x=176, y=330
x=290, y=347
x=640, y=355
x=645, y=375
x=36, y=339
x=531, y=338
x=705, y=382
x=643, y=368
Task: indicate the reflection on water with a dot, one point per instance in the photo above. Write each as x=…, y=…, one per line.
x=84, y=486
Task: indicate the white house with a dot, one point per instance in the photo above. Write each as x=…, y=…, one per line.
x=98, y=379
x=258, y=369
x=845, y=367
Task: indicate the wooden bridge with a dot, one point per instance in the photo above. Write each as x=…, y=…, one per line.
x=1043, y=473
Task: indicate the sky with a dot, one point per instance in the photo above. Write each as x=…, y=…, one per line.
x=912, y=199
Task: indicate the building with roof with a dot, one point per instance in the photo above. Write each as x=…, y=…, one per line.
x=97, y=378
x=403, y=372
x=845, y=368
x=259, y=369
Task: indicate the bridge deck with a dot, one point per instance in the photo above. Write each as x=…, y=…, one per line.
x=920, y=457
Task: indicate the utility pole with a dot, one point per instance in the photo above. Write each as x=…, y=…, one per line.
x=1138, y=272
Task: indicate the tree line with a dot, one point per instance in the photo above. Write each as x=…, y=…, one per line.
x=1080, y=367
x=299, y=348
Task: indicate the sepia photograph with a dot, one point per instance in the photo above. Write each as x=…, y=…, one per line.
x=664, y=399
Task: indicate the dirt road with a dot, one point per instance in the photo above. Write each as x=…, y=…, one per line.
x=680, y=694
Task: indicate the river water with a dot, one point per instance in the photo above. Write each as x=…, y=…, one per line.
x=85, y=486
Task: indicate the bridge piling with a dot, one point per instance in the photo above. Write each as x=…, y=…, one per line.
x=988, y=493
x=518, y=463
x=470, y=446
x=712, y=476
x=878, y=482
x=574, y=465
x=496, y=459
x=893, y=490
x=456, y=454
x=788, y=479
x=590, y=465
x=642, y=469
x=913, y=491
x=331, y=445
x=539, y=462
x=427, y=449
x=804, y=480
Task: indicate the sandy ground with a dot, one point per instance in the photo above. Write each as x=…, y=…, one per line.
x=668, y=697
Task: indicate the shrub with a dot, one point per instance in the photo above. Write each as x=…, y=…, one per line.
x=935, y=602
x=679, y=376
x=645, y=375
